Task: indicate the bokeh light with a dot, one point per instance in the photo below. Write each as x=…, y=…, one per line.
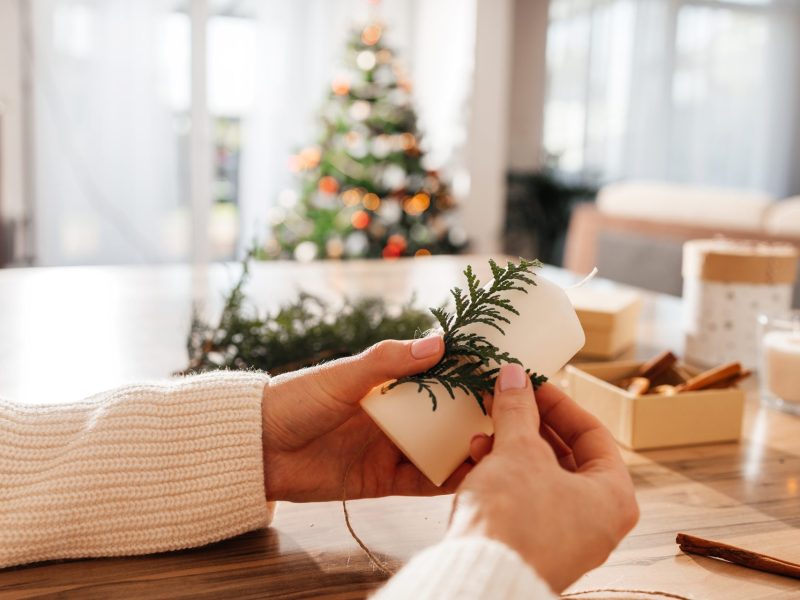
x=351, y=197
x=360, y=219
x=417, y=204
x=371, y=201
x=371, y=34
x=328, y=185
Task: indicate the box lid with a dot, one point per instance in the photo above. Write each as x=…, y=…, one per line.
x=599, y=308
x=739, y=261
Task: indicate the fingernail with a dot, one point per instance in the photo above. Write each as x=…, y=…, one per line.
x=478, y=436
x=512, y=377
x=425, y=347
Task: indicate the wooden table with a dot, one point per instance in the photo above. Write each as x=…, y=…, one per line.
x=68, y=332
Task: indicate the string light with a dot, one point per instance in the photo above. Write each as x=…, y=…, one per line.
x=360, y=110
x=307, y=158
x=328, y=185
x=371, y=201
x=340, y=86
x=384, y=56
x=360, y=219
x=366, y=60
x=407, y=141
x=334, y=247
x=371, y=34
x=305, y=251
x=417, y=204
x=351, y=197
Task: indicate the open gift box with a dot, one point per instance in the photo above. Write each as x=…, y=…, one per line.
x=652, y=420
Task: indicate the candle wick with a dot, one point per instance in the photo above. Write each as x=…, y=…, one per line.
x=587, y=279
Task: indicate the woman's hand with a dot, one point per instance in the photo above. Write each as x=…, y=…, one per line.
x=553, y=488
x=314, y=428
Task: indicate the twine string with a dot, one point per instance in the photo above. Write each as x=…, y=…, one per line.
x=654, y=593
x=388, y=571
x=377, y=562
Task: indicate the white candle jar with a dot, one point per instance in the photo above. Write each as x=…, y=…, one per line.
x=726, y=285
x=544, y=337
x=779, y=364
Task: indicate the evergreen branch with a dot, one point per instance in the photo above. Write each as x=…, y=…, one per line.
x=299, y=334
x=470, y=362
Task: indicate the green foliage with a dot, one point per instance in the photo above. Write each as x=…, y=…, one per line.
x=470, y=361
x=299, y=334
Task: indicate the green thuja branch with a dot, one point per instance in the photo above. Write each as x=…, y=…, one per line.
x=471, y=362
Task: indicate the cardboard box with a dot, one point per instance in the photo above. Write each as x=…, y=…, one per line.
x=653, y=421
x=610, y=320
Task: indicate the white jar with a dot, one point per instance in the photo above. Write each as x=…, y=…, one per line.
x=726, y=286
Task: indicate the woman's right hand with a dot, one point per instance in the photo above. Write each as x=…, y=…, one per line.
x=564, y=515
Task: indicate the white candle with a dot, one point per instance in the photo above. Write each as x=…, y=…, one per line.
x=544, y=336
x=782, y=364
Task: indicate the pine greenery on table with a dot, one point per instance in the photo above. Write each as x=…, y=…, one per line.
x=300, y=334
x=471, y=362
x=309, y=331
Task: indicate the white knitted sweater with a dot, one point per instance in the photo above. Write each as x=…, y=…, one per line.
x=170, y=465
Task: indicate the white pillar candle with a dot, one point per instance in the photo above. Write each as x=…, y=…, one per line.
x=544, y=337
x=782, y=364
x=545, y=334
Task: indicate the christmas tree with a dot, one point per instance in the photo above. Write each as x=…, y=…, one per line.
x=364, y=190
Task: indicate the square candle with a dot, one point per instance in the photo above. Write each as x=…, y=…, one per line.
x=780, y=361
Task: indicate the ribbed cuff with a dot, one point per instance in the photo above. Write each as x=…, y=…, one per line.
x=473, y=568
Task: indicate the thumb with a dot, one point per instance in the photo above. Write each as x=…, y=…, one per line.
x=350, y=379
x=310, y=402
x=514, y=412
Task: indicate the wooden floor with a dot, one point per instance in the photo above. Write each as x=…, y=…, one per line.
x=66, y=333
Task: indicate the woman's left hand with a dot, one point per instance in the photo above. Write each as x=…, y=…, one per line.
x=314, y=428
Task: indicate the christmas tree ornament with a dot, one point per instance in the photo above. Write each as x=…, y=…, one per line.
x=517, y=317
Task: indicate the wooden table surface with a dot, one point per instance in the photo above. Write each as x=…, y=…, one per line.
x=68, y=332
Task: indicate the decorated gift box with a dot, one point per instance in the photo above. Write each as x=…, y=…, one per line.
x=676, y=406
x=726, y=286
x=610, y=319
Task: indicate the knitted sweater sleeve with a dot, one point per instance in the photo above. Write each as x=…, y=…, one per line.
x=141, y=469
x=466, y=569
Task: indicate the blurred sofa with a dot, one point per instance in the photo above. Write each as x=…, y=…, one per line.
x=635, y=232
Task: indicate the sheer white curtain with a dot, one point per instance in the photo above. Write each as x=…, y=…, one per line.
x=106, y=153
x=300, y=45
x=701, y=91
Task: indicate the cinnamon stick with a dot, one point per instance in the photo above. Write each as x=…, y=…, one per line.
x=658, y=365
x=738, y=556
x=731, y=381
x=711, y=377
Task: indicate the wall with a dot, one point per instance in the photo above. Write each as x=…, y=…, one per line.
x=506, y=112
x=11, y=114
x=486, y=155
x=528, y=79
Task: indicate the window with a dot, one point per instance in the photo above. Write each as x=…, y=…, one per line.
x=694, y=91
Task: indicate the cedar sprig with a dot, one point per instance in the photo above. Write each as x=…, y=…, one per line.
x=470, y=361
